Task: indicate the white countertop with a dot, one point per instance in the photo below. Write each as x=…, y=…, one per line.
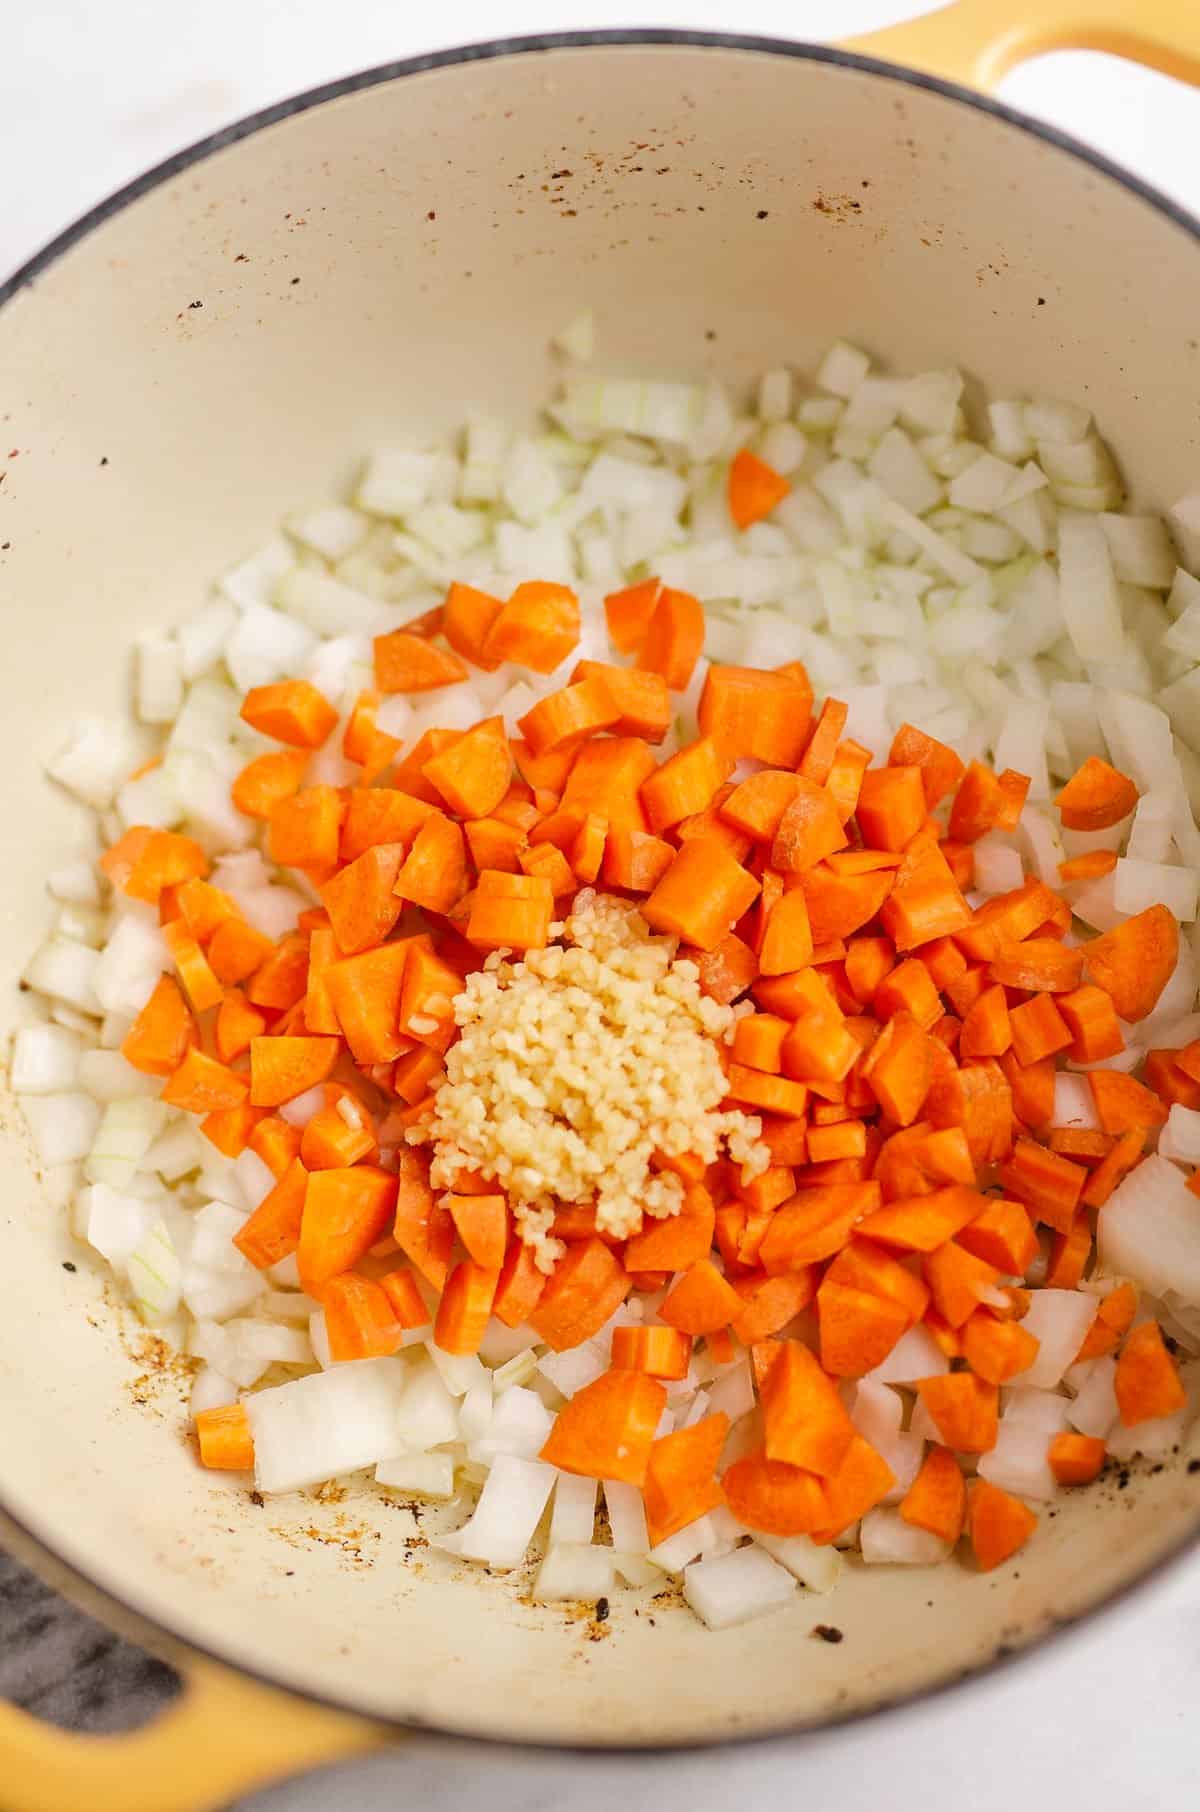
x=92, y=95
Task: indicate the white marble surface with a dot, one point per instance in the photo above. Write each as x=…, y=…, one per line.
x=90, y=96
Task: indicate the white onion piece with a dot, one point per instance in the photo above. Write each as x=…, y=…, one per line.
x=573, y=1516
x=817, y=1567
x=915, y=1355
x=423, y=1474
x=428, y=1413
x=329, y=1422
x=887, y=1540
x=519, y=1423
x=1094, y=1410
x=574, y=1572
x=211, y=1391
x=626, y=1517
x=62, y=1127
x=1149, y=1230
x=1059, y=1321
x=45, y=1060
x=733, y=1588
x=510, y=1507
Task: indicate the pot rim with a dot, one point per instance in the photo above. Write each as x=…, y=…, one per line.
x=159, y=1635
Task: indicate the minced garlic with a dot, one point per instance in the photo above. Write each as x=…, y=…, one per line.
x=576, y=1065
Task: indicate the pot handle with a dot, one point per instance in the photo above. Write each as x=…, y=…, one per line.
x=224, y=1736
x=976, y=42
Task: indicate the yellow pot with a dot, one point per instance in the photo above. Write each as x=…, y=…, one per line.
x=217, y=344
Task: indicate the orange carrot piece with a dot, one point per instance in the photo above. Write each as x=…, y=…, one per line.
x=998, y=1524
x=633, y=860
x=1076, y=1459
x=986, y=1027
x=304, y=831
x=606, y=1430
x=755, y=715
x=1038, y=1030
x=702, y=895
x=1092, y=1021
x=1113, y=1320
x=815, y=1224
x=229, y=1128
x=1096, y=797
x=365, y=993
x=201, y=986
x=144, y=862
x=359, y=1318
x=844, y=783
x=520, y=1285
x=226, y=1443
x=1069, y=1253
x=809, y=830
x=978, y=805
x=909, y=988
x=1088, y=867
x=434, y=874
x=1051, y=1186
x=290, y=711
x=1147, y=1382
x=673, y=639
x=772, y=1496
x=276, y=1143
x=755, y=807
x=1003, y=1235
x=361, y=899
x=236, y=951
x=678, y=1241
x=937, y=1498
x=380, y=815
x=817, y=761
x=925, y=901
x=701, y=1302
x=481, y=1222
x=467, y=617
x=997, y=1350
x=899, y=1068
x=964, y=1408
x=345, y=1213
x=405, y=662
x=659, y=1352
x=422, y=1228
x=465, y=1307
x=769, y=1303
x=473, y=774
x=685, y=784
x=727, y=970
x=537, y=627
x=754, y=488
x=681, y=1483
x=628, y=614
x=511, y=911
x=1039, y=963
x=959, y=1282
x=1134, y=962
x=941, y=769
x=330, y=1142
x=268, y=780
x=408, y=1305
x=587, y=1286
x=862, y=1480
x=282, y=1068
x=840, y=904
x=1123, y=1103
x=919, y=1159
x=272, y=1232
x=891, y=806
x=922, y=1223
x=857, y=1328
x=237, y=1023
x=1108, y=1173
x=202, y=1085
x=427, y=996
x=160, y=1036
x=641, y=701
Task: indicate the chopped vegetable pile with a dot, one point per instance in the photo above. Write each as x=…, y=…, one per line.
x=575, y=1054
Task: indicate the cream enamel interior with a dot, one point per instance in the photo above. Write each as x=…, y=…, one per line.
x=367, y=268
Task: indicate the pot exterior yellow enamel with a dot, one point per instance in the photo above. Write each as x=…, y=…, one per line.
x=224, y=349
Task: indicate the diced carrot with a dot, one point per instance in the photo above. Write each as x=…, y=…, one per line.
x=941, y=769
x=678, y=1241
x=998, y=1524
x=276, y=1143
x=844, y=783
x=160, y=1036
x=1051, y=1186
x=1169, y=1081
x=628, y=614
x=840, y=1139
x=290, y=711
x=473, y=774
x=681, y=1483
x=202, y=1085
x=587, y=848
x=937, y=1498
x=685, y=784
x=702, y=895
x=964, y=1408
x=405, y=662
x=976, y=1097
x=978, y=805
x=755, y=715
x=809, y=830
x=1032, y=1086
x=237, y=1023
x=282, y=1068
x=481, y=1222
x=909, y=988
x=1003, y=1235
x=371, y=748
x=775, y=1497
x=408, y=1305
x=465, y=1306
x=1069, y=1253
x=537, y=627
x=637, y=703
x=769, y=1303
x=587, y=1286
x=1147, y=1382
x=1088, y=867
x=925, y=902
x=899, y=1068
x=815, y=1224
x=1078, y=1142
x=236, y=951
x=1039, y=963
x=272, y=1232
x=754, y=488
x=816, y=763
x=1134, y=962
x=922, y=1223
x=868, y=961
x=986, y=1027
x=422, y=1228
x=959, y=1282
x=359, y=1318
x=1108, y=1173
x=365, y=993
x=840, y=904
x=1076, y=1459
x=659, y=1352
x=467, y=617
x=1114, y=1318
x=858, y=1329
x=701, y=1302
x=548, y=862
x=304, y=831
x=226, y=1443
x=434, y=873
x=995, y=1349
x=345, y=1213
x=756, y=806
x=727, y=970
x=520, y=1285
x=891, y=806
x=331, y=1142
x=1123, y=1103
x=634, y=860
x=919, y=1159
x=229, y=1128
x=1092, y=1021
x=268, y=780
x=512, y=911
x=201, y=986
x=1096, y=797
x=606, y=1430
x=1038, y=1030
x=862, y=1481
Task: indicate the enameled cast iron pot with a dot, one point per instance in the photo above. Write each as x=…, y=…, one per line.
x=217, y=344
